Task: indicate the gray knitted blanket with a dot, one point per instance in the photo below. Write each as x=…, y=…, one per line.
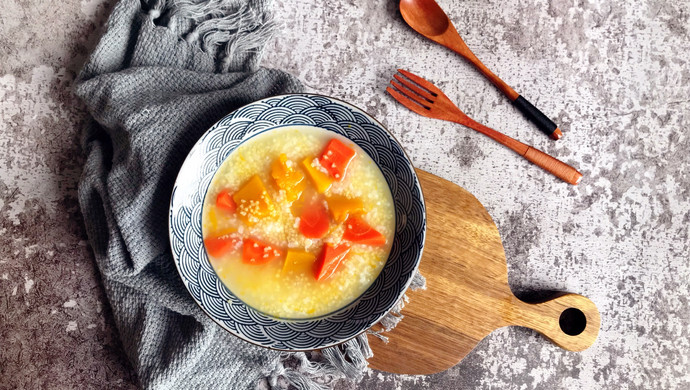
x=161, y=75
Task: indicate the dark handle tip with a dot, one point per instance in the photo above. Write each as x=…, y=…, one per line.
x=532, y=113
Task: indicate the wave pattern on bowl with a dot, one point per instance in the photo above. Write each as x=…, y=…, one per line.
x=195, y=177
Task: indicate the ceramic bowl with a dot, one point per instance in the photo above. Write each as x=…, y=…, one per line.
x=195, y=178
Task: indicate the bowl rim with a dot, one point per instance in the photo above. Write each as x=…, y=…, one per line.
x=353, y=302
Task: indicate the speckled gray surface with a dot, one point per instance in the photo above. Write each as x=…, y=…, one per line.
x=614, y=74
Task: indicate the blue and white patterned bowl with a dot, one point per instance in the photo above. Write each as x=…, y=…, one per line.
x=195, y=177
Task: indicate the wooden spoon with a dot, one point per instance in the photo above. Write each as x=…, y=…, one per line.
x=427, y=18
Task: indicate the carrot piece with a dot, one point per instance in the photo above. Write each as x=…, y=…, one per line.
x=288, y=178
x=358, y=231
x=225, y=202
x=257, y=252
x=222, y=244
x=253, y=201
x=341, y=207
x=328, y=261
x=321, y=181
x=314, y=221
x=298, y=261
x=336, y=157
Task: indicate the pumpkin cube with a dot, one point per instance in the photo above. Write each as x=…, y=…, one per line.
x=253, y=201
x=288, y=178
x=321, y=180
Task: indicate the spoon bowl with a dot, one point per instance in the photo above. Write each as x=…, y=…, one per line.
x=425, y=16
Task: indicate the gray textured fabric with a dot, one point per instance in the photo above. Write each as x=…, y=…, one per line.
x=152, y=95
x=161, y=75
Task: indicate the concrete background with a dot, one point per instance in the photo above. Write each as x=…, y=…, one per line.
x=613, y=74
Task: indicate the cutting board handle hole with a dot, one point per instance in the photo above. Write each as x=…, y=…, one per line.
x=573, y=321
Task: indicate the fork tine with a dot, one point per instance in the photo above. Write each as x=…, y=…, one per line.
x=430, y=87
x=410, y=104
x=422, y=92
x=411, y=95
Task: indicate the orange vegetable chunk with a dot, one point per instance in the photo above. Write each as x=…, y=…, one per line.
x=257, y=252
x=314, y=221
x=341, y=207
x=357, y=230
x=253, y=201
x=336, y=157
x=298, y=261
x=288, y=178
x=306, y=198
x=329, y=260
x=212, y=218
x=321, y=181
x=222, y=244
x=225, y=202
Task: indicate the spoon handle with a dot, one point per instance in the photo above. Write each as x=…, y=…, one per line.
x=546, y=125
x=537, y=117
x=464, y=51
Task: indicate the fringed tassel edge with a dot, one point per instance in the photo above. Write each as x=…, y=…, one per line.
x=219, y=27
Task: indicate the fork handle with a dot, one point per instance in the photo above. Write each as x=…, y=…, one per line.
x=553, y=165
x=550, y=164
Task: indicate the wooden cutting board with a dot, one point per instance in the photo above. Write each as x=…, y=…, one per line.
x=468, y=295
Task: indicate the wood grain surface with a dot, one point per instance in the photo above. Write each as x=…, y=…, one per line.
x=468, y=295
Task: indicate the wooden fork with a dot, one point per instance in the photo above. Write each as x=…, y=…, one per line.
x=426, y=99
